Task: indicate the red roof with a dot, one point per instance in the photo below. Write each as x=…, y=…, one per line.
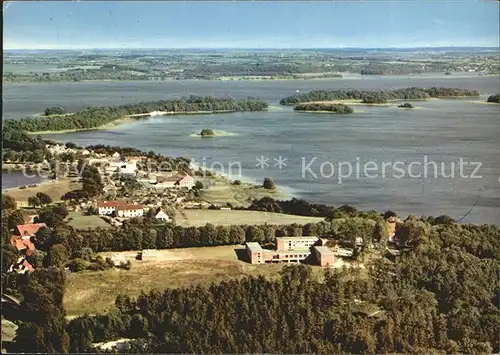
x=111, y=203
x=28, y=230
x=130, y=207
x=16, y=241
x=28, y=266
x=22, y=244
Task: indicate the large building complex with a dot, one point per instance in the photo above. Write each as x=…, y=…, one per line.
x=292, y=250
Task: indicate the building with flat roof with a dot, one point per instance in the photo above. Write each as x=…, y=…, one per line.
x=324, y=256
x=290, y=250
x=291, y=243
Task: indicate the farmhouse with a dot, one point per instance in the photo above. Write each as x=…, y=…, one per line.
x=108, y=207
x=23, y=245
x=26, y=231
x=161, y=215
x=120, y=208
x=178, y=180
x=130, y=211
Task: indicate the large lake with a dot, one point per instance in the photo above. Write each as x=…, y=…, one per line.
x=441, y=131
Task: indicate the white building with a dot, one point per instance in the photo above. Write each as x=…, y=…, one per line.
x=130, y=211
x=162, y=216
x=108, y=207
x=127, y=168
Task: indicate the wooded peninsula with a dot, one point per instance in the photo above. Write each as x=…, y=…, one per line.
x=94, y=117
x=378, y=96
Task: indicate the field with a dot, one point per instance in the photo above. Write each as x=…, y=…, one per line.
x=221, y=191
x=55, y=189
x=80, y=221
x=8, y=330
x=189, y=218
x=94, y=292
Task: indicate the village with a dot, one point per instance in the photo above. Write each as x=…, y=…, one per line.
x=135, y=187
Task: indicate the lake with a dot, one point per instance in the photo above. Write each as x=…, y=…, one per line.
x=378, y=144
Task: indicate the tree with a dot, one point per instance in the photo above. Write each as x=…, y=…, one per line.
x=52, y=215
x=56, y=110
x=198, y=185
x=15, y=218
x=8, y=203
x=268, y=184
x=58, y=255
x=34, y=201
x=44, y=198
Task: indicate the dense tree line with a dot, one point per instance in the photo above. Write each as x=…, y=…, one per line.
x=494, y=98
x=21, y=147
x=334, y=108
x=439, y=298
x=97, y=116
x=379, y=96
x=301, y=207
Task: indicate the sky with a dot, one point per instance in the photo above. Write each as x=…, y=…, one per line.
x=242, y=24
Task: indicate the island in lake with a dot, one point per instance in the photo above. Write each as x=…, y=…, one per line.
x=378, y=96
x=207, y=133
x=324, y=107
x=494, y=99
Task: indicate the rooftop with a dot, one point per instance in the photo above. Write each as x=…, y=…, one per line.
x=254, y=246
x=311, y=237
x=129, y=207
x=29, y=229
x=111, y=203
x=323, y=250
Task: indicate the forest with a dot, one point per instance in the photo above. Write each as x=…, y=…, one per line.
x=93, y=117
x=380, y=96
x=334, y=108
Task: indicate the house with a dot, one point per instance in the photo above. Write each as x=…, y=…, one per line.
x=161, y=215
x=21, y=266
x=127, y=168
x=108, y=207
x=26, y=231
x=130, y=211
x=24, y=245
x=85, y=152
x=116, y=155
x=178, y=180
x=391, y=229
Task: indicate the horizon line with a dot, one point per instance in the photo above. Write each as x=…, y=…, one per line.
x=253, y=48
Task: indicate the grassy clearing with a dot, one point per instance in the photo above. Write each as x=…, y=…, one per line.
x=8, y=330
x=223, y=192
x=93, y=292
x=189, y=218
x=80, y=221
